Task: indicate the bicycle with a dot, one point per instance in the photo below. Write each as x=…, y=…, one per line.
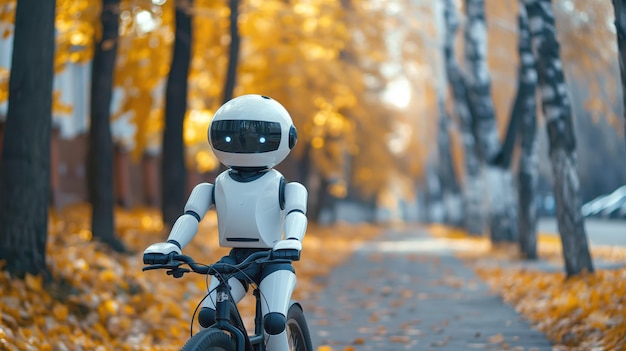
x=229, y=333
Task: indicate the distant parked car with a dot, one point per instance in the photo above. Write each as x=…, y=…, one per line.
x=607, y=206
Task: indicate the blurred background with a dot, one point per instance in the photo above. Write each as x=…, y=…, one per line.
x=500, y=120
x=364, y=81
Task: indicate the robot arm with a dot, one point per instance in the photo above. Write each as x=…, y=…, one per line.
x=295, y=221
x=295, y=206
x=186, y=226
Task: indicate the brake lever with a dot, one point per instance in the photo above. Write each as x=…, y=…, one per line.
x=178, y=272
x=171, y=265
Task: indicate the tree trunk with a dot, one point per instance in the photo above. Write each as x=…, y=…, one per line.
x=500, y=189
x=619, y=6
x=562, y=140
x=473, y=204
x=450, y=196
x=174, y=173
x=100, y=155
x=25, y=172
x=233, y=51
x=123, y=191
x=55, y=181
x=525, y=110
x=479, y=81
x=149, y=169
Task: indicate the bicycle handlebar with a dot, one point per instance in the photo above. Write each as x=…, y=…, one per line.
x=175, y=260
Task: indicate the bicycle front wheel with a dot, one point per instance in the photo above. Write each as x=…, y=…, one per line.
x=298, y=333
x=210, y=339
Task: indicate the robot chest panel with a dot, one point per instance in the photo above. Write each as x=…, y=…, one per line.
x=249, y=214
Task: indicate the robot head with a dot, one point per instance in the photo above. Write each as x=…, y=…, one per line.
x=252, y=132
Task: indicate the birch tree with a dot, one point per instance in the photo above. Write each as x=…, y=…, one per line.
x=502, y=211
x=557, y=113
x=524, y=110
x=445, y=169
x=25, y=172
x=619, y=7
x=450, y=191
x=473, y=205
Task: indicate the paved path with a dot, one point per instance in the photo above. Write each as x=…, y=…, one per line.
x=601, y=232
x=407, y=291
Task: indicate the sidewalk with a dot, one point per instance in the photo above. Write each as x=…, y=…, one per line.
x=407, y=291
x=600, y=232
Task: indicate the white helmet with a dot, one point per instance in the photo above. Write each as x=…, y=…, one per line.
x=252, y=132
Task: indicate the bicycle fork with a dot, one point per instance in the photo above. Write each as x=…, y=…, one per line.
x=223, y=303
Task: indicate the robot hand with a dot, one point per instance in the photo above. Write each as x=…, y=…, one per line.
x=159, y=253
x=287, y=249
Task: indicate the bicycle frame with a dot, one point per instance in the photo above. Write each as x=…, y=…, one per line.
x=225, y=306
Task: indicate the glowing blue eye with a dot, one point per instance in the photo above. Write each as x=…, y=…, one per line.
x=262, y=140
x=228, y=139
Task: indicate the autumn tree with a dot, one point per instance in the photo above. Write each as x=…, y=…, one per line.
x=557, y=112
x=233, y=52
x=324, y=65
x=619, y=7
x=25, y=172
x=173, y=168
x=474, y=220
x=445, y=168
x=100, y=153
x=524, y=111
x=499, y=183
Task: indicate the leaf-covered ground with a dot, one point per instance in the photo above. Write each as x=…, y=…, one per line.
x=587, y=312
x=100, y=300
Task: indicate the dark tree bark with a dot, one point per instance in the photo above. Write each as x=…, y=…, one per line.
x=233, y=51
x=100, y=153
x=173, y=170
x=557, y=112
x=525, y=111
x=25, y=172
x=619, y=6
x=450, y=194
x=233, y=57
x=473, y=205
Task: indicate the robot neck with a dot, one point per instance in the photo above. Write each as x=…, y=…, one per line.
x=246, y=174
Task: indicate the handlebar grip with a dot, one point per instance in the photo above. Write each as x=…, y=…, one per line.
x=155, y=258
x=286, y=254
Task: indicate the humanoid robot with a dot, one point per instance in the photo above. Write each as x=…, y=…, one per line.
x=249, y=134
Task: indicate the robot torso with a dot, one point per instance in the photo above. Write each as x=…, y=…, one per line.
x=249, y=213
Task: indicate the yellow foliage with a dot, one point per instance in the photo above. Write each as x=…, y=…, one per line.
x=99, y=300
x=7, y=15
x=144, y=55
x=585, y=312
x=76, y=25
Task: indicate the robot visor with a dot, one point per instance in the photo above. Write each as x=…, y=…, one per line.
x=245, y=136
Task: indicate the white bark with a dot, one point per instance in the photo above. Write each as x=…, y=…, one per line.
x=558, y=114
x=502, y=205
x=479, y=81
x=528, y=171
x=473, y=200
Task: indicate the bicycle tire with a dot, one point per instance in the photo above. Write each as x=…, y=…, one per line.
x=298, y=334
x=210, y=339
